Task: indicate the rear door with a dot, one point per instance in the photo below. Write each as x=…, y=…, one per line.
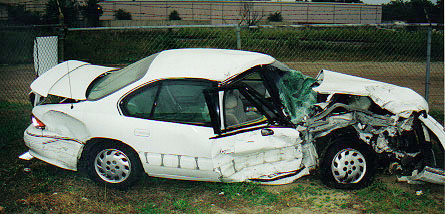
x=171, y=125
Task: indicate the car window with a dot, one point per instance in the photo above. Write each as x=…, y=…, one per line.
x=255, y=82
x=140, y=103
x=254, y=103
x=239, y=111
x=170, y=100
x=182, y=101
x=115, y=80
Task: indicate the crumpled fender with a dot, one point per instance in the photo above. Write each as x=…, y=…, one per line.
x=398, y=100
x=434, y=127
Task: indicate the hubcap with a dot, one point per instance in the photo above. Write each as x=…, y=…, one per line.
x=348, y=166
x=112, y=165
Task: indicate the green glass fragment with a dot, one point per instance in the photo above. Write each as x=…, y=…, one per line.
x=296, y=93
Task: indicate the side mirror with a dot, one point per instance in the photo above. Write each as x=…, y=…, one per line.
x=266, y=132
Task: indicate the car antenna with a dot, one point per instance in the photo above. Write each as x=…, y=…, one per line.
x=69, y=82
x=61, y=21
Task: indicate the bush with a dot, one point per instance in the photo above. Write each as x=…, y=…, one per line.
x=122, y=15
x=174, y=15
x=275, y=17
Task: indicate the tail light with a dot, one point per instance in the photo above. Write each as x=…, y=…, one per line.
x=37, y=123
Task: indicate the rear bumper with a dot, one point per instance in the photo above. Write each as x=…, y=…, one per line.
x=51, y=148
x=26, y=156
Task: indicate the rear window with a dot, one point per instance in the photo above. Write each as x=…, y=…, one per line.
x=115, y=80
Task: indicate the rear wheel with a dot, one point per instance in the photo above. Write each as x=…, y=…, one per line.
x=114, y=164
x=347, y=165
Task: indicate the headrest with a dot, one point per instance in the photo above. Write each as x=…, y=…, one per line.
x=231, y=99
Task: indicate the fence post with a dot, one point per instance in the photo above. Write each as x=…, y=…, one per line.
x=238, y=37
x=62, y=34
x=428, y=61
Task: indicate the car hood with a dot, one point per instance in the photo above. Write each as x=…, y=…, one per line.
x=69, y=79
x=398, y=100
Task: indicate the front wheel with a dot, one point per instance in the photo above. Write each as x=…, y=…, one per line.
x=114, y=164
x=347, y=165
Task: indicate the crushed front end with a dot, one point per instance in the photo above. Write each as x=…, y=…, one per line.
x=392, y=120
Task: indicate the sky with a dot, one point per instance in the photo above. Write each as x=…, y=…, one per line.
x=384, y=1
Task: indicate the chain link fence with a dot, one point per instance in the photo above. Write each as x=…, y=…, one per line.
x=16, y=74
x=389, y=53
x=395, y=54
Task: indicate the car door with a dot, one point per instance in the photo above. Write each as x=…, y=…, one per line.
x=253, y=141
x=171, y=121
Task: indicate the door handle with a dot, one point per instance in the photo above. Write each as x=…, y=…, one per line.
x=267, y=132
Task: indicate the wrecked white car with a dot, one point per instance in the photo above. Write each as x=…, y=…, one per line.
x=229, y=116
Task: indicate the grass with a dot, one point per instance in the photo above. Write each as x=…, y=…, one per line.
x=47, y=188
x=14, y=117
x=347, y=44
x=114, y=47
x=252, y=193
x=50, y=189
x=384, y=198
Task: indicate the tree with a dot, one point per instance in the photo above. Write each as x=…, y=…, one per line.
x=438, y=12
x=174, y=15
x=249, y=16
x=413, y=11
x=394, y=10
x=275, y=17
x=92, y=11
x=122, y=15
x=67, y=10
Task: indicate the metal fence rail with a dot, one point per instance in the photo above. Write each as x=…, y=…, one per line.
x=396, y=54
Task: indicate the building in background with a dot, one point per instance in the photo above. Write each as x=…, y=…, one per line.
x=145, y=12
x=231, y=12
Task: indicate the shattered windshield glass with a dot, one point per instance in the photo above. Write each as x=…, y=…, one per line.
x=295, y=91
x=115, y=80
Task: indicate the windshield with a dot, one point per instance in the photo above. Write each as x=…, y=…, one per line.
x=295, y=92
x=115, y=80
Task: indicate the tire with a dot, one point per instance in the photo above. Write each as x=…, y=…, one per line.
x=113, y=164
x=348, y=165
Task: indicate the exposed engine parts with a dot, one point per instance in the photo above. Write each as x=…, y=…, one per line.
x=397, y=138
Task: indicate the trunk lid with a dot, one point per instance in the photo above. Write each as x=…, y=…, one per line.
x=69, y=79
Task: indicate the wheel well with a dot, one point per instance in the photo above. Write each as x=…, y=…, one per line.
x=323, y=144
x=90, y=144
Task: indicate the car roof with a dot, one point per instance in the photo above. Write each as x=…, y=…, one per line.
x=203, y=63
